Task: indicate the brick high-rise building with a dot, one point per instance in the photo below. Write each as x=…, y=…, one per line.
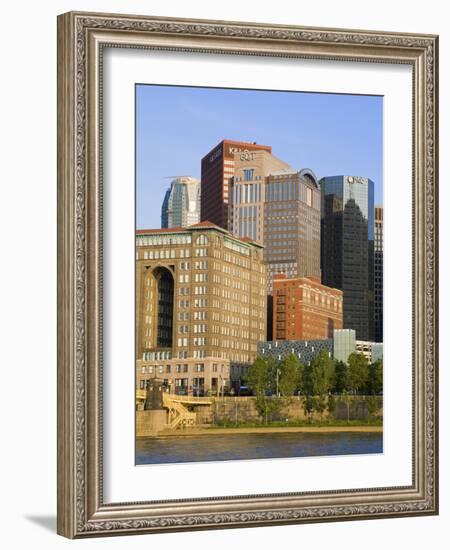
x=347, y=248
x=378, y=274
x=217, y=169
x=304, y=309
x=201, y=306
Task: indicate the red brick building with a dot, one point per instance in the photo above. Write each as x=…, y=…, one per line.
x=217, y=170
x=305, y=309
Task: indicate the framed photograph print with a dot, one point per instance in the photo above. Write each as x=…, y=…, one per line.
x=247, y=277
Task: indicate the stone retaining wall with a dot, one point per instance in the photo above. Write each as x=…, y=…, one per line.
x=243, y=409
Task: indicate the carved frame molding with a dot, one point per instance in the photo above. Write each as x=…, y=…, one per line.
x=81, y=39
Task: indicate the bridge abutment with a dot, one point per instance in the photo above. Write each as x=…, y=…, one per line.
x=150, y=423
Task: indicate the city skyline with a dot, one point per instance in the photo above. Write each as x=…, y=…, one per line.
x=328, y=133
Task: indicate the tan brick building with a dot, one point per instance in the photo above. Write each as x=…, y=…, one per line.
x=200, y=306
x=305, y=309
x=248, y=192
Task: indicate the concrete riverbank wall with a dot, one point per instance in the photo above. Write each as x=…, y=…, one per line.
x=235, y=410
x=228, y=410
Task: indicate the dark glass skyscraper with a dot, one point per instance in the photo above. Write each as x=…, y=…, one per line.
x=378, y=266
x=347, y=247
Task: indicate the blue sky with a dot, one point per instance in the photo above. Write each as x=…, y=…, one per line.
x=331, y=134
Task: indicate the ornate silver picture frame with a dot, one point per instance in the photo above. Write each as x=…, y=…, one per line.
x=82, y=509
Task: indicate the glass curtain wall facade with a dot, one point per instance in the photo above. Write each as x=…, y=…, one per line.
x=344, y=343
x=378, y=274
x=181, y=204
x=347, y=247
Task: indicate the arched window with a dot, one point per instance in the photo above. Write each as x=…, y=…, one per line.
x=164, y=307
x=202, y=239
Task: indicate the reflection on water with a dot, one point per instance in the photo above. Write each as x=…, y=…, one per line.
x=161, y=450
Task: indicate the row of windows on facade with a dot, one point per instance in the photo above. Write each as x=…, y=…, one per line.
x=197, y=383
x=197, y=354
x=244, y=193
x=164, y=240
x=202, y=341
x=278, y=217
x=215, y=329
x=173, y=253
x=275, y=191
x=292, y=232
x=315, y=297
x=238, y=320
x=197, y=315
x=227, y=306
x=234, y=307
x=217, y=279
x=168, y=369
x=222, y=292
x=201, y=265
x=248, y=228
x=221, y=267
x=168, y=254
x=215, y=316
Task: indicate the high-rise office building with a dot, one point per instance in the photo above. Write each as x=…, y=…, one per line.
x=201, y=306
x=344, y=343
x=181, y=205
x=304, y=309
x=217, y=169
x=292, y=225
x=347, y=248
x=279, y=207
x=378, y=274
x=248, y=193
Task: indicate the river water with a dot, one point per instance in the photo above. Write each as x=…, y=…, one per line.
x=202, y=448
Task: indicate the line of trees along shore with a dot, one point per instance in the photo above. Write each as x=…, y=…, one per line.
x=320, y=382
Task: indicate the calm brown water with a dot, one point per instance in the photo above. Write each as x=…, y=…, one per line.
x=202, y=448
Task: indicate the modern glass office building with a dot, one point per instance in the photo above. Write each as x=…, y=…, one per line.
x=181, y=204
x=344, y=343
x=347, y=247
x=378, y=274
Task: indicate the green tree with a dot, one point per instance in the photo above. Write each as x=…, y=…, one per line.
x=322, y=374
x=290, y=376
x=358, y=372
x=320, y=404
x=308, y=407
x=341, y=376
x=375, y=381
x=258, y=377
x=331, y=406
x=261, y=379
x=372, y=406
x=319, y=379
x=346, y=398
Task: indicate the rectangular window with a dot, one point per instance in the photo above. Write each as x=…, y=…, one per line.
x=248, y=174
